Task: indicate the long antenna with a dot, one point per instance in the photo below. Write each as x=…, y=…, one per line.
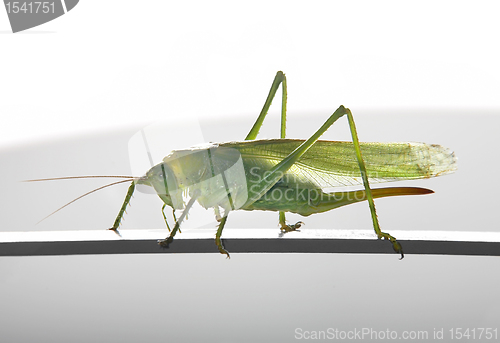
x=82, y=177
x=81, y=196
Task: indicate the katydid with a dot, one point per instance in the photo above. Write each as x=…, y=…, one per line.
x=287, y=175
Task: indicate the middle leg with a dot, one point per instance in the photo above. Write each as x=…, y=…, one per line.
x=280, y=78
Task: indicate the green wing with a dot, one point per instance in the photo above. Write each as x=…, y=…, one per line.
x=332, y=164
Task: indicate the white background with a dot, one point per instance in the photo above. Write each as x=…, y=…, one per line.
x=74, y=90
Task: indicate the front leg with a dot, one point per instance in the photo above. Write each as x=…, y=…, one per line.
x=119, y=217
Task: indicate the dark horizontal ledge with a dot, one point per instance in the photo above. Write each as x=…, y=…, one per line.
x=246, y=241
x=239, y=245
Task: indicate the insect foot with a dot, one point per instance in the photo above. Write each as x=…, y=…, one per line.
x=289, y=228
x=165, y=242
x=395, y=244
x=223, y=251
x=115, y=230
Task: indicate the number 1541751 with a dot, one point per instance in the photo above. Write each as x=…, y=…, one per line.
x=30, y=7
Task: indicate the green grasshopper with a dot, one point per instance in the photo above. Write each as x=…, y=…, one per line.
x=287, y=175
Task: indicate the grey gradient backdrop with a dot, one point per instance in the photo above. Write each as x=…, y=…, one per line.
x=249, y=298
x=96, y=81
